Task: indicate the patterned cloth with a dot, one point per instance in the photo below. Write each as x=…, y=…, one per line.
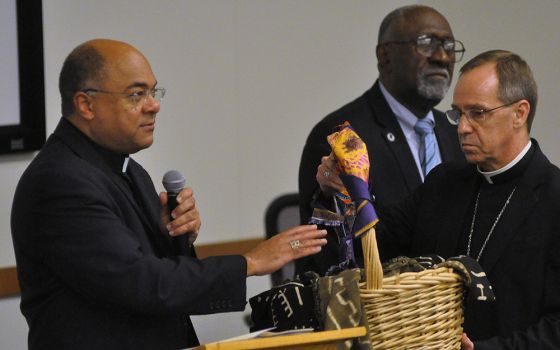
x=310, y=301
x=353, y=163
x=354, y=216
x=478, y=287
x=341, y=306
x=292, y=305
x=350, y=152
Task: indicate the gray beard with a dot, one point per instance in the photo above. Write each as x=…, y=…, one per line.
x=431, y=90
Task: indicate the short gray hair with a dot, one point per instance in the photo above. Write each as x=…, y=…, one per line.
x=515, y=78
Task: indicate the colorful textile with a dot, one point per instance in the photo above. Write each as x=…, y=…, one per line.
x=353, y=163
x=354, y=214
x=350, y=152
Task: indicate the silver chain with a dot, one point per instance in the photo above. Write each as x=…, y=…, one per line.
x=491, y=229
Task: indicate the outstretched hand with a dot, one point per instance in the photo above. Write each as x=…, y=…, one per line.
x=294, y=243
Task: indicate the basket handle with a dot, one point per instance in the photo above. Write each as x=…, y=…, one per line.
x=372, y=260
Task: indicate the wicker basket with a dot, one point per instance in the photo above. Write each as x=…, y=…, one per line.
x=414, y=310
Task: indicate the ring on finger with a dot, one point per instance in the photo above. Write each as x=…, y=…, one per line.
x=295, y=244
x=326, y=174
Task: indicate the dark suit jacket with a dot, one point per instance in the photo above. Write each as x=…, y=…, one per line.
x=95, y=268
x=521, y=259
x=393, y=171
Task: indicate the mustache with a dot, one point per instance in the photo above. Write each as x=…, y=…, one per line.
x=433, y=71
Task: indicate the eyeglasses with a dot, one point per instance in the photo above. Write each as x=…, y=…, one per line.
x=427, y=45
x=135, y=97
x=473, y=115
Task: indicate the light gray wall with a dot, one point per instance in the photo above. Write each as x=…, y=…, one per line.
x=246, y=81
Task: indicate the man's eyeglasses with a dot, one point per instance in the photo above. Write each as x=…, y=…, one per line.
x=474, y=115
x=427, y=45
x=135, y=97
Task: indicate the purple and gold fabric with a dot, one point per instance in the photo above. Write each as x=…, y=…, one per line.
x=353, y=163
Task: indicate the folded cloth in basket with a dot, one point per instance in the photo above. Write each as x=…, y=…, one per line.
x=477, y=285
x=479, y=288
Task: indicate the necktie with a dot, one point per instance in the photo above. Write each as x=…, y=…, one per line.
x=427, y=151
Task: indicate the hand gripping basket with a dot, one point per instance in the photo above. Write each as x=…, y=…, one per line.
x=413, y=310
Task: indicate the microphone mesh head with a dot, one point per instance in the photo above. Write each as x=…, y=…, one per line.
x=173, y=181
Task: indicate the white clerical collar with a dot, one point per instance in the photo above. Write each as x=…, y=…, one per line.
x=125, y=164
x=488, y=174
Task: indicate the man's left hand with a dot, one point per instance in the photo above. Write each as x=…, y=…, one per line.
x=186, y=219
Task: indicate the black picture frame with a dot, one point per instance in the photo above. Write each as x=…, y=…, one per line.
x=30, y=133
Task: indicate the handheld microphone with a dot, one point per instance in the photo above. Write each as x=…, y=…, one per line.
x=173, y=182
